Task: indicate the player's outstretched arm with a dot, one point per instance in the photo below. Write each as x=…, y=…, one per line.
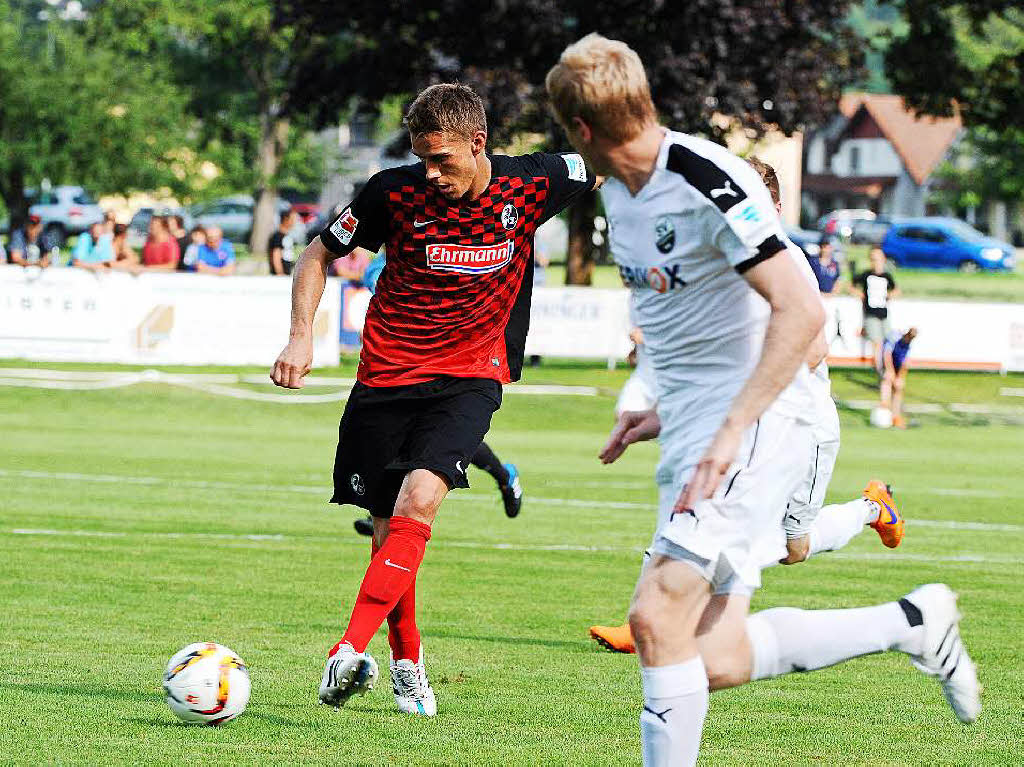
x=797, y=317
x=307, y=287
x=632, y=426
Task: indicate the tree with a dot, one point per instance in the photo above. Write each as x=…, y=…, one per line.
x=77, y=110
x=764, y=64
x=969, y=57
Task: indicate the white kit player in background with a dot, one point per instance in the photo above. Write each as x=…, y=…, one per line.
x=728, y=321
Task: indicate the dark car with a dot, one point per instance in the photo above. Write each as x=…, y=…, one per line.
x=945, y=243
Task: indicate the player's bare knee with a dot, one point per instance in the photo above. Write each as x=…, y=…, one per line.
x=417, y=502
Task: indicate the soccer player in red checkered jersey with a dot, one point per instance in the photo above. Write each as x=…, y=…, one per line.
x=444, y=330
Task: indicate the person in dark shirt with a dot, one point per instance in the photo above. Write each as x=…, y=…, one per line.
x=31, y=246
x=176, y=225
x=875, y=287
x=893, y=369
x=444, y=330
x=281, y=253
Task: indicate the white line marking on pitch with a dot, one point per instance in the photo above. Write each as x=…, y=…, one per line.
x=456, y=497
x=479, y=545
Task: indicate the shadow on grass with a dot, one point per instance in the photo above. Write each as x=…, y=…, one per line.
x=88, y=690
x=508, y=640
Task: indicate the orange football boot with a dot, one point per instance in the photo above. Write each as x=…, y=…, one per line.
x=889, y=524
x=614, y=638
x=898, y=422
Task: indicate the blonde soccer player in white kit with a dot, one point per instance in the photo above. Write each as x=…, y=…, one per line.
x=727, y=325
x=810, y=526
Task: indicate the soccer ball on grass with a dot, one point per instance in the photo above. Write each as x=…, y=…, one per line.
x=206, y=683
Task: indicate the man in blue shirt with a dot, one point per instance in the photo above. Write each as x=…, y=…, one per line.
x=217, y=256
x=826, y=268
x=31, y=246
x=893, y=367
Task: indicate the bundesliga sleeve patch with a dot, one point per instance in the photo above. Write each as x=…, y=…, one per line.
x=345, y=227
x=577, y=168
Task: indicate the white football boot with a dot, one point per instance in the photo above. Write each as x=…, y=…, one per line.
x=413, y=692
x=347, y=673
x=942, y=653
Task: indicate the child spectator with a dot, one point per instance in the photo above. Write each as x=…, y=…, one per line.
x=875, y=287
x=190, y=256
x=217, y=256
x=160, y=253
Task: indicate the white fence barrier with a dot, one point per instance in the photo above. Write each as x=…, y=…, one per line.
x=73, y=315
x=187, y=319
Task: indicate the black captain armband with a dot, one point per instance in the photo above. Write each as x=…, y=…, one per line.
x=769, y=247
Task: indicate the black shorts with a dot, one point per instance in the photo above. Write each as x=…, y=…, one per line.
x=387, y=431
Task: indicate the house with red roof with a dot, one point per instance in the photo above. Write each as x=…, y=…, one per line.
x=877, y=154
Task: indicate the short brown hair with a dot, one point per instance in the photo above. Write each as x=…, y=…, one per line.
x=446, y=108
x=768, y=177
x=602, y=82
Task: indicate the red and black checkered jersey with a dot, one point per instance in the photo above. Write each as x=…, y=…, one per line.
x=454, y=296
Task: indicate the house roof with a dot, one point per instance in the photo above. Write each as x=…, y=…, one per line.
x=920, y=141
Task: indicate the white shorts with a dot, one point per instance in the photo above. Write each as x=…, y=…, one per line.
x=728, y=537
x=809, y=495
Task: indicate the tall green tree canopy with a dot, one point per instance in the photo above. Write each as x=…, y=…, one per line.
x=75, y=109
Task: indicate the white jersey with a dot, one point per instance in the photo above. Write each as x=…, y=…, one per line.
x=682, y=245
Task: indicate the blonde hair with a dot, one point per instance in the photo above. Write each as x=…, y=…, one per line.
x=602, y=82
x=446, y=108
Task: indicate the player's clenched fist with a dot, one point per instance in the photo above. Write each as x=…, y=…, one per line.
x=293, y=363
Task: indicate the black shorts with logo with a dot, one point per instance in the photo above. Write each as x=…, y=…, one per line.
x=387, y=431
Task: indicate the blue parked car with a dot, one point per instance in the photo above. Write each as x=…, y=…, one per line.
x=945, y=243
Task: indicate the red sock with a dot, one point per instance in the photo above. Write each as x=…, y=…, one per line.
x=403, y=633
x=390, y=575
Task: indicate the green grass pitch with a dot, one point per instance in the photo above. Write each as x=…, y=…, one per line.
x=174, y=516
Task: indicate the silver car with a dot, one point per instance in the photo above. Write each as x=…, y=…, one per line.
x=233, y=215
x=64, y=210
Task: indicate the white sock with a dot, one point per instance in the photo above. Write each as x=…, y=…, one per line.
x=785, y=639
x=675, y=704
x=836, y=525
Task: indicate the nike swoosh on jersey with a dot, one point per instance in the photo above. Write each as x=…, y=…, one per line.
x=421, y=224
x=389, y=563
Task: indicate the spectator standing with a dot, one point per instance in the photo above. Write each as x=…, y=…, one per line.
x=281, y=249
x=160, y=253
x=94, y=249
x=893, y=368
x=176, y=226
x=30, y=246
x=190, y=255
x=876, y=288
x=826, y=269
x=217, y=256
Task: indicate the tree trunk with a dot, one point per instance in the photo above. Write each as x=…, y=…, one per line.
x=579, y=257
x=12, y=191
x=273, y=139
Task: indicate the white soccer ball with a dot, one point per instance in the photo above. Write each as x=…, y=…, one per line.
x=206, y=683
x=881, y=417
